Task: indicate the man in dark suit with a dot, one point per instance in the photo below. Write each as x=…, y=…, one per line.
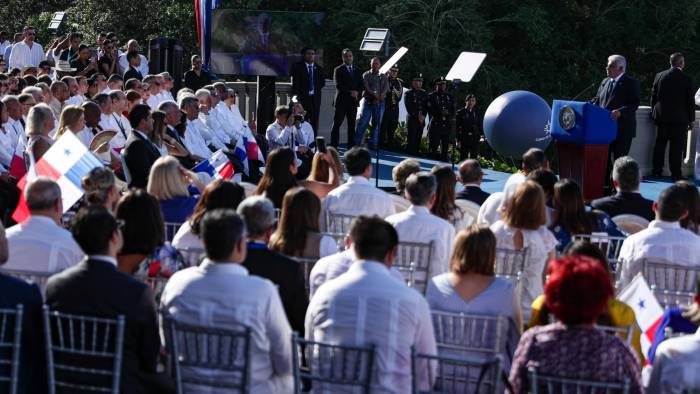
x=619, y=93
x=626, y=178
x=471, y=175
x=673, y=111
x=18, y=292
x=348, y=85
x=196, y=78
x=259, y=215
x=139, y=152
x=134, y=60
x=307, y=83
x=95, y=287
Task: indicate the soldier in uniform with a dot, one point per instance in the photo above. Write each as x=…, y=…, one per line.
x=441, y=107
x=415, y=100
x=390, y=119
x=469, y=128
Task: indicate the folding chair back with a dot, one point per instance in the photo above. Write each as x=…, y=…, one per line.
x=307, y=265
x=672, y=284
x=542, y=384
x=510, y=264
x=608, y=244
x=170, y=230
x=474, y=334
x=454, y=375
x=413, y=260
x=10, y=348
x=192, y=256
x=337, y=223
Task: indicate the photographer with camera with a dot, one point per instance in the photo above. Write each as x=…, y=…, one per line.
x=302, y=139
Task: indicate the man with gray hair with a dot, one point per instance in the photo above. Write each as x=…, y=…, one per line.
x=402, y=171
x=471, y=175
x=196, y=132
x=626, y=178
x=132, y=45
x=417, y=224
x=40, y=244
x=287, y=274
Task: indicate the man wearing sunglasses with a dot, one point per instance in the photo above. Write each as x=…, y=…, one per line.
x=26, y=52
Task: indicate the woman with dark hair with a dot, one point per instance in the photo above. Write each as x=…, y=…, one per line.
x=298, y=233
x=163, y=141
x=692, y=221
x=280, y=176
x=219, y=194
x=144, y=253
x=570, y=215
x=577, y=292
x=444, y=206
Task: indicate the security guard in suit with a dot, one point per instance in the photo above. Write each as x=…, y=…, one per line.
x=441, y=107
x=469, y=128
x=390, y=119
x=416, y=106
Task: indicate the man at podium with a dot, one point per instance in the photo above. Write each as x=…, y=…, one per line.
x=619, y=93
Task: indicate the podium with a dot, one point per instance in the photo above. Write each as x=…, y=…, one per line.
x=583, y=133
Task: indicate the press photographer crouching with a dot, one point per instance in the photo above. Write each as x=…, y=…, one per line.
x=302, y=139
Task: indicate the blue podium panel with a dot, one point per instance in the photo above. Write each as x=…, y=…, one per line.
x=582, y=123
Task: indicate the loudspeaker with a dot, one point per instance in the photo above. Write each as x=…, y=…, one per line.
x=167, y=54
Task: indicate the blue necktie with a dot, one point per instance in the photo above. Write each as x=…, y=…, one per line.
x=311, y=79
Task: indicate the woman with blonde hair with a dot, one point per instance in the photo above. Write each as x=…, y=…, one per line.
x=73, y=120
x=40, y=122
x=168, y=182
x=100, y=188
x=320, y=171
x=523, y=227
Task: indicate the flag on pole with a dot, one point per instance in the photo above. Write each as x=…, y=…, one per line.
x=646, y=308
x=18, y=167
x=218, y=166
x=202, y=14
x=66, y=162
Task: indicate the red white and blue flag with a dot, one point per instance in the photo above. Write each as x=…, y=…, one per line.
x=66, y=162
x=202, y=14
x=18, y=167
x=646, y=308
x=218, y=166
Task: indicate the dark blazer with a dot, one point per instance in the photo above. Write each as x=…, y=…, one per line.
x=139, y=155
x=178, y=133
x=624, y=98
x=32, y=372
x=300, y=80
x=132, y=73
x=196, y=82
x=287, y=274
x=672, y=97
x=625, y=203
x=96, y=288
x=473, y=194
x=345, y=82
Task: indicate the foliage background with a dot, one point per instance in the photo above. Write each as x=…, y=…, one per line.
x=555, y=48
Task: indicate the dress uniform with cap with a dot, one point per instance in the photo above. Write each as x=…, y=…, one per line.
x=416, y=106
x=441, y=107
x=390, y=119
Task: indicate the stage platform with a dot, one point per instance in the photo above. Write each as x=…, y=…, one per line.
x=493, y=180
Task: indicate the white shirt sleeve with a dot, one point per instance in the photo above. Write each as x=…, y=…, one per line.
x=697, y=97
x=279, y=333
x=327, y=246
x=425, y=342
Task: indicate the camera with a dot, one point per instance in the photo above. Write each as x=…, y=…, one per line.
x=299, y=118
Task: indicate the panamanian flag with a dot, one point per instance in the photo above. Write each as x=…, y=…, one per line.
x=66, y=162
x=646, y=308
x=217, y=165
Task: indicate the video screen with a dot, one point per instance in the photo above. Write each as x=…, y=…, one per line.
x=246, y=42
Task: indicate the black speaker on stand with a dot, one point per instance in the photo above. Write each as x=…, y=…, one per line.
x=167, y=54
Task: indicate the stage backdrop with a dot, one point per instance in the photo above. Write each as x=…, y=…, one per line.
x=247, y=42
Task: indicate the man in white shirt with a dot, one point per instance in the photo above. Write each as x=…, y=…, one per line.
x=133, y=45
x=123, y=129
x=219, y=138
x=4, y=43
x=59, y=91
x=153, y=90
x=367, y=306
x=167, y=86
x=304, y=135
x=278, y=133
x=195, y=129
x=26, y=52
x=40, y=244
x=417, y=224
x=220, y=293
x=73, y=90
x=14, y=126
x=664, y=239
x=358, y=196
x=229, y=109
x=533, y=159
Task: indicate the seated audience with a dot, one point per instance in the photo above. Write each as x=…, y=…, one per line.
x=471, y=286
x=221, y=280
x=417, y=224
x=358, y=196
x=400, y=173
x=96, y=288
x=31, y=378
x=279, y=132
x=100, y=188
x=571, y=218
x=470, y=176
x=533, y=159
x=285, y=273
x=164, y=142
x=616, y=313
x=523, y=227
x=444, y=206
x=40, y=243
x=169, y=183
x=577, y=292
x=298, y=233
x=692, y=221
x=73, y=121
x=664, y=240
x=40, y=122
x=490, y=210
x=626, y=179
x=546, y=179
x=219, y=194
x=366, y=305
x=139, y=152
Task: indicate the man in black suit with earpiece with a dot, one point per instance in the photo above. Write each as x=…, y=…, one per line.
x=307, y=83
x=348, y=85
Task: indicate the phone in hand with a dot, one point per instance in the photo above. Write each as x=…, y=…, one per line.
x=321, y=144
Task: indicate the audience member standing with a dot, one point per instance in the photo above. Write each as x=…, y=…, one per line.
x=196, y=78
x=366, y=305
x=348, y=85
x=626, y=178
x=307, y=84
x=26, y=52
x=375, y=88
x=673, y=111
x=242, y=300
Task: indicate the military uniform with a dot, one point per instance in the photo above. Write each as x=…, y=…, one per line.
x=441, y=107
x=416, y=102
x=390, y=119
x=469, y=132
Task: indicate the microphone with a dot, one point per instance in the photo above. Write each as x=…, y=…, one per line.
x=584, y=91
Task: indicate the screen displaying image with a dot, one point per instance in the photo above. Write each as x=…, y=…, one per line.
x=248, y=42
